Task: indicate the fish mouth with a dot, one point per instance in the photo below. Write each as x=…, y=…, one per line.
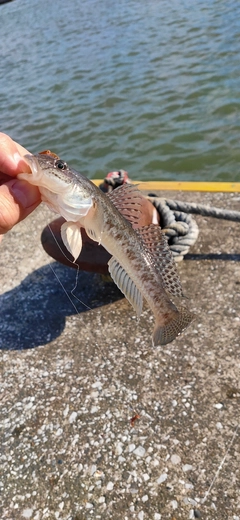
x=40, y=175
x=58, y=188
x=32, y=162
x=33, y=176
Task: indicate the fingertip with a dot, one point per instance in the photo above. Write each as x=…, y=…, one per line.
x=17, y=200
x=21, y=166
x=12, y=154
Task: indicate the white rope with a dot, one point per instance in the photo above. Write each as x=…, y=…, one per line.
x=180, y=227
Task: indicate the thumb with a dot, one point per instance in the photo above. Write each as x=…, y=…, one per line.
x=17, y=200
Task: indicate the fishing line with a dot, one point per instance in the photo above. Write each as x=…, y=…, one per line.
x=77, y=274
x=221, y=464
x=74, y=306
x=58, y=279
x=61, y=284
x=75, y=285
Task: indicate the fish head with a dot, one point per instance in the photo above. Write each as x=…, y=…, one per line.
x=61, y=188
x=47, y=171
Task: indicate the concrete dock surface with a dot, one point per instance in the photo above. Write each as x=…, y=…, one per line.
x=95, y=422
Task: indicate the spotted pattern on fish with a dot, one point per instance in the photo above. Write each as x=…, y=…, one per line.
x=157, y=244
x=141, y=262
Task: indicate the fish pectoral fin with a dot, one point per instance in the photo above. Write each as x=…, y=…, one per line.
x=72, y=238
x=157, y=244
x=129, y=201
x=126, y=285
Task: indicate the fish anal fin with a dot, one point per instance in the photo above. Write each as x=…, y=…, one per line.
x=126, y=285
x=72, y=238
x=157, y=244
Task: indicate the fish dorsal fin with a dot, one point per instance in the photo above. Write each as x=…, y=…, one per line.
x=126, y=285
x=128, y=200
x=157, y=244
x=72, y=238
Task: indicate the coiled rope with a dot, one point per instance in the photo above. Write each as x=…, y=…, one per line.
x=180, y=227
x=176, y=221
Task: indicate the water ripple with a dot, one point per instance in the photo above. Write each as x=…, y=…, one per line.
x=151, y=88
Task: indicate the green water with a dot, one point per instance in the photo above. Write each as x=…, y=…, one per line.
x=152, y=87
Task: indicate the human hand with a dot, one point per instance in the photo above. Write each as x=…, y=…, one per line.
x=17, y=198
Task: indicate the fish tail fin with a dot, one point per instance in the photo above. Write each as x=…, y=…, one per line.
x=166, y=332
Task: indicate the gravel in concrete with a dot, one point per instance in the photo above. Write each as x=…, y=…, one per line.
x=95, y=422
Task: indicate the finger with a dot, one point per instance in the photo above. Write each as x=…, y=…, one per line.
x=17, y=200
x=4, y=178
x=11, y=156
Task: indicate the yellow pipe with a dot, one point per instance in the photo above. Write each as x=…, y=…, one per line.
x=184, y=186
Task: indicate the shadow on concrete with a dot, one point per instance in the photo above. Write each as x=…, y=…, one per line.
x=34, y=312
x=234, y=257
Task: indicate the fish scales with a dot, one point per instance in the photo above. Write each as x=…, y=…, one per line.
x=130, y=252
x=133, y=266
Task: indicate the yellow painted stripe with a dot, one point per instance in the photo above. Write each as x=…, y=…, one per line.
x=184, y=186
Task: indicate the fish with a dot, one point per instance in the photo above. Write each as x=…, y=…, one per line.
x=141, y=263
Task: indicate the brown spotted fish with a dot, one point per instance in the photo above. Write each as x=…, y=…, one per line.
x=141, y=264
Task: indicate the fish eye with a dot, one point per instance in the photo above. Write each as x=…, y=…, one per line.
x=61, y=165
